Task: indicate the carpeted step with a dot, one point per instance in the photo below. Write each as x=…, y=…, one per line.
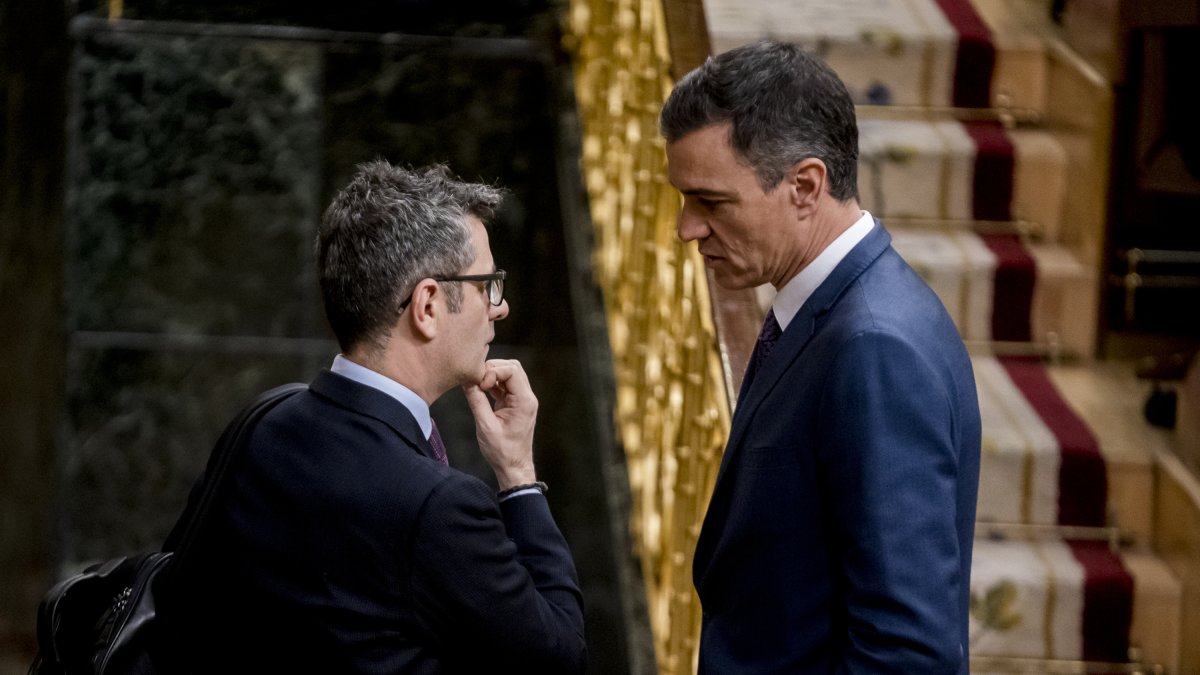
x=1095, y=409
x=1109, y=398
x=1041, y=465
x=1066, y=444
x=1000, y=288
x=928, y=53
x=959, y=171
x=1072, y=600
x=1050, y=600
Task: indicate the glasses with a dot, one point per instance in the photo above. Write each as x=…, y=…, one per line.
x=493, y=285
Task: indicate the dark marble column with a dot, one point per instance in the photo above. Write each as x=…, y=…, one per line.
x=194, y=192
x=33, y=58
x=201, y=155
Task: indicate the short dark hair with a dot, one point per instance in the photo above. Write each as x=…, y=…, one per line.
x=389, y=228
x=784, y=105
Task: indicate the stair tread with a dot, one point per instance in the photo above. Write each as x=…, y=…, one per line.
x=1109, y=397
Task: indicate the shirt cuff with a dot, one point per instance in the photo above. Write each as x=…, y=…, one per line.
x=518, y=493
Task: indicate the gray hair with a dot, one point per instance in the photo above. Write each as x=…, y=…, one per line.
x=388, y=229
x=784, y=105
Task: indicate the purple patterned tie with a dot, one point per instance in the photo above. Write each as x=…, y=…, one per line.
x=439, y=448
x=766, y=340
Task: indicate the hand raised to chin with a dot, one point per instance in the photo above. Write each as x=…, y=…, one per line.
x=504, y=429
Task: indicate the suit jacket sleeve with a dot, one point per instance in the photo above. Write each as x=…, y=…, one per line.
x=891, y=465
x=497, y=580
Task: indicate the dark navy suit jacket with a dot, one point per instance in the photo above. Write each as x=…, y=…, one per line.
x=839, y=534
x=343, y=547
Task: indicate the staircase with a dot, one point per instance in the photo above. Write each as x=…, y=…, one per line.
x=984, y=145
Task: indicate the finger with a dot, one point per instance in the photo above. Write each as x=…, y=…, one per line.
x=489, y=379
x=503, y=369
x=509, y=371
x=477, y=400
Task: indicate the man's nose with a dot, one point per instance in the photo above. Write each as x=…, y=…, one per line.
x=690, y=227
x=498, y=312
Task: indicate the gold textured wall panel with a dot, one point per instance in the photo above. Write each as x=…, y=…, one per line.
x=672, y=410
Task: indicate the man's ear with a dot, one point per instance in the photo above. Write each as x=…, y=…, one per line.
x=807, y=180
x=424, y=310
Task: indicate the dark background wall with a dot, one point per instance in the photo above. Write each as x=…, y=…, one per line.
x=163, y=178
x=33, y=57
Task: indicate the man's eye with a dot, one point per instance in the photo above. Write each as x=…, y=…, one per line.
x=707, y=204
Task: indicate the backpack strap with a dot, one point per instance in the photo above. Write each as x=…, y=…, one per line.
x=229, y=446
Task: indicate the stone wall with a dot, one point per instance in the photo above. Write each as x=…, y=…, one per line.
x=157, y=270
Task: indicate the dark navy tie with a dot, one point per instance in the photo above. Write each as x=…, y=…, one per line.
x=767, y=338
x=439, y=448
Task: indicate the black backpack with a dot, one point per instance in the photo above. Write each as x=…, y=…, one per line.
x=102, y=620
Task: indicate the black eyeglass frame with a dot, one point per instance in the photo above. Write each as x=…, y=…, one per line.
x=494, y=280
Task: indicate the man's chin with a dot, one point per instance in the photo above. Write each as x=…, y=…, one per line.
x=731, y=282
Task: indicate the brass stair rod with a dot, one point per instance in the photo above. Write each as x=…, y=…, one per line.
x=1028, y=228
x=1007, y=116
x=1012, y=664
x=1028, y=531
x=1050, y=349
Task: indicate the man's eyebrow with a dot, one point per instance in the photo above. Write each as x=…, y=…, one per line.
x=709, y=193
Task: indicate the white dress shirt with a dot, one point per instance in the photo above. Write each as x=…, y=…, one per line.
x=796, y=292
x=407, y=397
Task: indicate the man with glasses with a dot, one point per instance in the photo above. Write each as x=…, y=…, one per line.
x=346, y=543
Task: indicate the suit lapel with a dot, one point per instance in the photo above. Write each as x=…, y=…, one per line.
x=800, y=330
x=364, y=400
x=758, y=384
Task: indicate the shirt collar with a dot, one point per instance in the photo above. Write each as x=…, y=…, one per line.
x=407, y=397
x=796, y=292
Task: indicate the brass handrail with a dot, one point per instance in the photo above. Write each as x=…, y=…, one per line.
x=1133, y=279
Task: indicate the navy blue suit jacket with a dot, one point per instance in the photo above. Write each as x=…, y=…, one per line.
x=343, y=547
x=839, y=534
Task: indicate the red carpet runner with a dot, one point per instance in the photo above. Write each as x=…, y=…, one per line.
x=1016, y=272
x=1082, y=490
x=1082, y=479
x=976, y=55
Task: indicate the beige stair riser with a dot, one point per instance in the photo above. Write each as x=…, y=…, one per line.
x=924, y=169
x=1157, y=629
x=1019, y=468
x=1038, y=597
x=1043, y=584
x=960, y=268
x=1177, y=540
